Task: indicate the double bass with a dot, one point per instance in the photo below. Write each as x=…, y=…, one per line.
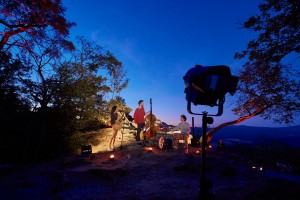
x=150, y=130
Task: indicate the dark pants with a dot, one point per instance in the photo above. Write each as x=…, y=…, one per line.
x=139, y=129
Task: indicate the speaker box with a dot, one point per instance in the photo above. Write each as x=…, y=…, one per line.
x=86, y=149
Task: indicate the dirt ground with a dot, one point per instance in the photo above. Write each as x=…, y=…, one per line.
x=137, y=173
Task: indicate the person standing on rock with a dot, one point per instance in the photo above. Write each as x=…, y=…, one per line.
x=116, y=124
x=139, y=119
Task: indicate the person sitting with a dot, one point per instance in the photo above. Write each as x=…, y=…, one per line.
x=184, y=134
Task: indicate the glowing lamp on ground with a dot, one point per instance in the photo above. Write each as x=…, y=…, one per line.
x=197, y=152
x=150, y=149
x=112, y=157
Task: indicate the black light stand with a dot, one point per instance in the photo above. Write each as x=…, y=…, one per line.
x=193, y=129
x=205, y=184
x=207, y=85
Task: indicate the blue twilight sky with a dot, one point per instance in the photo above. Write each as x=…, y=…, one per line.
x=158, y=41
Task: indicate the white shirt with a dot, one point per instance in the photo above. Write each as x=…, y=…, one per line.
x=184, y=127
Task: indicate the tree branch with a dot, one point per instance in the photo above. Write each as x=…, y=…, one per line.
x=239, y=120
x=10, y=33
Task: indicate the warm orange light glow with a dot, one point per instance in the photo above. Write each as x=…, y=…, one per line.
x=150, y=149
x=112, y=157
x=197, y=152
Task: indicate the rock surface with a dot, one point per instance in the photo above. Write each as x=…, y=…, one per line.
x=136, y=173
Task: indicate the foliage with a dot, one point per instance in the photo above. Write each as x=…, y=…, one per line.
x=83, y=86
x=35, y=32
x=279, y=26
x=10, y=70
x=46, y=100
x=268, y=91
x=79, y=139
x=24, y=20
x=120, y=103
x=29, y=29
x=268, y=85
x=118, y=82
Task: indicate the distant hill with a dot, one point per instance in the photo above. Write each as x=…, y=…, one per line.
x=251, y=133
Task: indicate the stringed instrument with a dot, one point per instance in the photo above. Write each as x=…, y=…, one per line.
x=119, y=122
x=150, y=129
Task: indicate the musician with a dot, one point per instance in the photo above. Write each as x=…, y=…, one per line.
x=139, y=119
x=185, y=130
x=116, y=124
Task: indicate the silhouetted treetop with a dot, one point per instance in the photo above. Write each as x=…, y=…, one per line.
x=278, y=25
x=31, y=18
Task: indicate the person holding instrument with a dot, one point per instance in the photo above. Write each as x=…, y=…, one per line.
x=116, y=124
x=139, y=119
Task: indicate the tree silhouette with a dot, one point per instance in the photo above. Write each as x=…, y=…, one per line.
x=84, y=85
x=23, y=20
x=10, y=100
x=268, y=85
x=41, y=84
